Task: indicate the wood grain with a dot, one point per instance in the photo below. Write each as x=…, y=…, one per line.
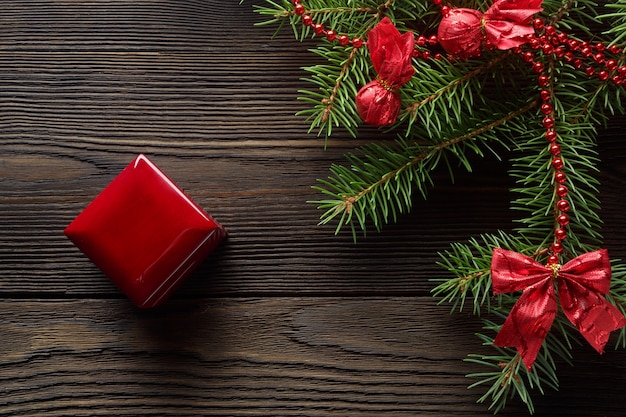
x=285, y=319
x=271, y=356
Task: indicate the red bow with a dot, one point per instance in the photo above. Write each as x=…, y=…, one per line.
x=581, y=283
x=378, y=102
x=504, y=25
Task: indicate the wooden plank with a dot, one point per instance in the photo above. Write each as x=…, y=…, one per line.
x=86, y=86
x=279, y=356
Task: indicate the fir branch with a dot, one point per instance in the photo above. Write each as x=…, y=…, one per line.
x=332, y=108
x=617, y=22
x=470, y=264
x=443, y=86
x=378, y=185
x=508, y=377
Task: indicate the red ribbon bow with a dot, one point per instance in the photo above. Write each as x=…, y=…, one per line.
x=378, y=102
x=504, y=25
x=581, y=283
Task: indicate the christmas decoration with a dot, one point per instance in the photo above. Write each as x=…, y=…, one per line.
x=144, y=233
x=378, y=102
x=529, y=77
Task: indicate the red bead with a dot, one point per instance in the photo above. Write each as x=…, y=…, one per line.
x=614, y=49
x=573, y=44
x=357, y=42
x=318, y=29
x=421, y=40
x=307, y=20
x=578, y=63
x=586, y=52
x=551, y=136
x=543, y=80
x=344, y=40
x=555, y=149
x=611, y=64
x=546, y=108
x=563, y=220
x=535, y=43
x=557, y=163
x=561, y=191
x=569, y=56
x=545, y=95
x=560, y=234
x=538, y=24
x=331, y=35
x=433, y=40
x=426, y=55
x=590, y=71
x=622, y=70
x=299, y=9
x=600, y=46
x=562, y=205
x=437, y=2
x=547, y=49
x=548, y=122
x=603, y=75
x=144, y=233
x=599, y=58
x=445, y=10
x=550, y=30
x=559, y=51
x=528, y=56
x=557, y=247
x=562, y=37
x=537, y=67
x=553, y=260
x=560, y=177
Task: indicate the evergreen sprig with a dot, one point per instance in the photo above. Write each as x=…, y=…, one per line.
x=455, y=109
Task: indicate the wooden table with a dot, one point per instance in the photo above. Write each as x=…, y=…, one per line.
x=284, y=319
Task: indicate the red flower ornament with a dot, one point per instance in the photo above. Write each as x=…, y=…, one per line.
x=581, y=284
x=505, y=25
x=378, y=102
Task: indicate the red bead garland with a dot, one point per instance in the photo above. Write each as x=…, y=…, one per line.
x=593, y=60
x=606, y=63
x=319, y=29
x=592, y=57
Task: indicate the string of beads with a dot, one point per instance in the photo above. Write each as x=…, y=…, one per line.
x=594, y=59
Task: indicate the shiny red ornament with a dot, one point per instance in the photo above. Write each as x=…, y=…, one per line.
x=581, y=284
x=378, y=102
x=463, y=32
x=144, y=233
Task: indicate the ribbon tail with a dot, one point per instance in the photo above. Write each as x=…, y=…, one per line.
x=590, y=312
x=529, y=322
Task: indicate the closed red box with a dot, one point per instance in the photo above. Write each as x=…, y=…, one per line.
x=144, y=233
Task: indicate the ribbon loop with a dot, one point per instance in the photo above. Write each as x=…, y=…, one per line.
x=582, y=283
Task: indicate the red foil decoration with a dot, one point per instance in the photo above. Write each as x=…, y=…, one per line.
x=581, y=284
x=378, y=102
x=505, y=25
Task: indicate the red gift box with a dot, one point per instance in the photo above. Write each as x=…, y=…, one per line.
x=144, y=233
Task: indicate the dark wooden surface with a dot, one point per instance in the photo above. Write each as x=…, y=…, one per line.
x=285, y=319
